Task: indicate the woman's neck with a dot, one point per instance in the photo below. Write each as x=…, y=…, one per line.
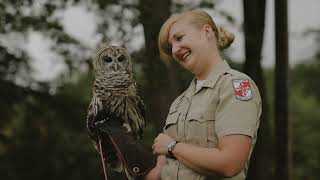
x=208, y=68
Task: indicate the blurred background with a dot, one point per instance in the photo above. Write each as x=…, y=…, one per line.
x=46, y=76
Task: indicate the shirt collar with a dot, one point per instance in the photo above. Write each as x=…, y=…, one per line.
x=217, y=71
x=211, y=80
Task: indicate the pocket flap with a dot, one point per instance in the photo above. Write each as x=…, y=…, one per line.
x=200, y=116
x=172, y=118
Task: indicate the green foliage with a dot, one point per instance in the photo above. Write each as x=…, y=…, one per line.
x=47, y=132
x=307, y=76
x=305, y=116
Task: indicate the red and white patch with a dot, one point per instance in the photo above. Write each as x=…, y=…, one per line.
x=242, y=89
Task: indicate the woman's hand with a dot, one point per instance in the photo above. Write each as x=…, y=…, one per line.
x=155, y=173
x=160, y=145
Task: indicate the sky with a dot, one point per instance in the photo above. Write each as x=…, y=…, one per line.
x=81, y=24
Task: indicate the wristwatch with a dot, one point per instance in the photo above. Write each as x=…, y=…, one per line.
x=171, y=146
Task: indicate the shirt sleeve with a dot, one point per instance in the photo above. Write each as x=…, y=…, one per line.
x=237, y=113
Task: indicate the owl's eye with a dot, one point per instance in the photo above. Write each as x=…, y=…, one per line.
x=107, y=59
x=122, y=58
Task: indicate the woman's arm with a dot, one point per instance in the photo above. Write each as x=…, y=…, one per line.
x=228, y=159
x=155, y=173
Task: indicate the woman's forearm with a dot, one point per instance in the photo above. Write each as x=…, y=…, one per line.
x=228, y=159
x=203, y=160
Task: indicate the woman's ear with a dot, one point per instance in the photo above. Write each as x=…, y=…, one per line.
x=208, y=31
x=207, y=28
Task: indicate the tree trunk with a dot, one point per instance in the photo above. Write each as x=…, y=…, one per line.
x=254, y=22
x=281, y=92
x=163, y=86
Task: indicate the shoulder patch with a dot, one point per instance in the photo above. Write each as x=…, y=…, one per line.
x=242, y=89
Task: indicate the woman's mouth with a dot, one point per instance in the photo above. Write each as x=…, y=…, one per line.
x=185, y=56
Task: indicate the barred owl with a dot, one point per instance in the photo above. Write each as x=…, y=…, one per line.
x=115, y=97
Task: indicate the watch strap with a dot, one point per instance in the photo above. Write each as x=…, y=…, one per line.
x=171, y=147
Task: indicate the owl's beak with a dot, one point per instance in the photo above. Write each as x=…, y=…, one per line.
x=115, y=67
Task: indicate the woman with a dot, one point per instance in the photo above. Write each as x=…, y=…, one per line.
x=211, y=127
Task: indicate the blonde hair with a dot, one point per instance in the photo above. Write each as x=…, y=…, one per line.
x=198, y=18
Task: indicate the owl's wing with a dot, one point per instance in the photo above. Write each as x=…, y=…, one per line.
x=93, y=110
x=103, y=114
x=142, y=109
x=140, y=105
x=96, y=113
x=138, y=112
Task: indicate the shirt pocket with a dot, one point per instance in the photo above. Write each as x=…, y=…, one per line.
x=201, y=129
x=171, y=127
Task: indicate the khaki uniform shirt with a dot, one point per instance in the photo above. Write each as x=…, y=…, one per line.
x=227, y=103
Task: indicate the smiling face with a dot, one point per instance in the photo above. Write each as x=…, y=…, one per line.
x=193, y=47
x=113, y=59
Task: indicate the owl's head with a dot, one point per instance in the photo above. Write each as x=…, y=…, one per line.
x=113, y=59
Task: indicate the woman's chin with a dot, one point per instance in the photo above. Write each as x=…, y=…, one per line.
x=190, y=69
x=189, y=65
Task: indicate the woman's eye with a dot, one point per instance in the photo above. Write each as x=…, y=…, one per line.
x=107, y=59
x=179, y=38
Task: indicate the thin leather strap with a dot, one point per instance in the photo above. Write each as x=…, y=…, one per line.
x=103, y=159
x=120, y=156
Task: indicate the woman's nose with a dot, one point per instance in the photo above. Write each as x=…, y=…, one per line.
x=175, y=48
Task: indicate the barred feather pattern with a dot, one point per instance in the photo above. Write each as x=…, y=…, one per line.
x=116, y=93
